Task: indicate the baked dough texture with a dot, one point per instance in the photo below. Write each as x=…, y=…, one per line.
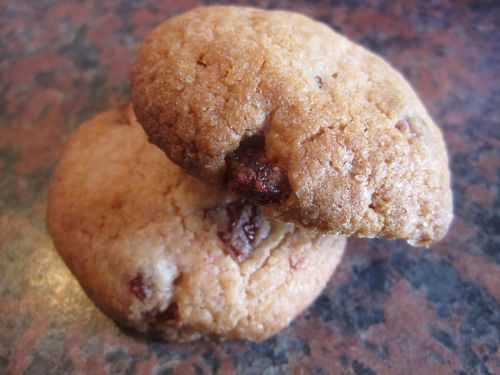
x=142, y=238
x=361, y=154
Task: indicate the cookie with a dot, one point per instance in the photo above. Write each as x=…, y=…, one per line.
x=164, y=253
x=294, y=116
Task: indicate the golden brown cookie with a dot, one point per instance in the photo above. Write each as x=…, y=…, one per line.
x=162, y=252
x=293, y=115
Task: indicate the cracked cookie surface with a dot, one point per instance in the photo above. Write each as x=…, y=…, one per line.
x=347, y=145
x=165, y=253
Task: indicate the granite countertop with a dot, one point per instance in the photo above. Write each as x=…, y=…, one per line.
x=390, y=308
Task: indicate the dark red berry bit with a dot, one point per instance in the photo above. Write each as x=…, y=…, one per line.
x=171, y=313
x=251, y=175
x=241, y=227
x=151, y=314
x=319, y=81
x=138, y=287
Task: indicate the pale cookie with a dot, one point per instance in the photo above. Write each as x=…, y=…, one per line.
x=293, y=115
x=162, y=252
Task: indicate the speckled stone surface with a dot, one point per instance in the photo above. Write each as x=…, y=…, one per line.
x=390, y=309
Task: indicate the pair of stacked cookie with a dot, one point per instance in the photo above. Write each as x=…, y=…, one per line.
x=217, y=204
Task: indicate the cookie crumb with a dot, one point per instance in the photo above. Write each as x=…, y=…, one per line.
x=410, y=125
x=403, y=125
